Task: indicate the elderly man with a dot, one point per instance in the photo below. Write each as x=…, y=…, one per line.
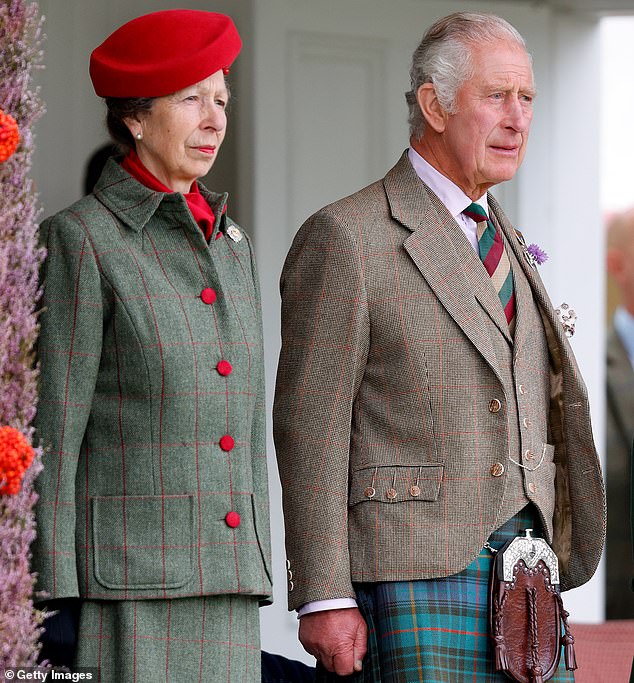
x=428, y=405
x=619, y=602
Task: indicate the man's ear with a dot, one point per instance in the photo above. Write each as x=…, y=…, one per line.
x=435, y=115
x=614, y=263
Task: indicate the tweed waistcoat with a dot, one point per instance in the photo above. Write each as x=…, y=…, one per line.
x=523, y=364
x=152, y=402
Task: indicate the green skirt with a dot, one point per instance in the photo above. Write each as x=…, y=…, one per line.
x=212, y=639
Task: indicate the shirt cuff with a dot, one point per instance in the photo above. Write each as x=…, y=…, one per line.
x=322, y=605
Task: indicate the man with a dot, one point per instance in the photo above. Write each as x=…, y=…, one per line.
x=620, y=419
x=426, y=405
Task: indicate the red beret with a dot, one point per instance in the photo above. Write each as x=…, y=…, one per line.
x=162, y=52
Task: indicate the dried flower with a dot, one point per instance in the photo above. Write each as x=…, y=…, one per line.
x=20, y=258
x=16, y=456
x=538, y=254
x=9, y=136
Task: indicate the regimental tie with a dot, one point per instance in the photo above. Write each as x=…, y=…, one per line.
x=495, y=260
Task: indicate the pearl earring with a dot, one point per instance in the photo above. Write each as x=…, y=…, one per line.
x=138, y=136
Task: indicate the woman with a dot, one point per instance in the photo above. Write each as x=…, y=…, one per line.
x=153, y=507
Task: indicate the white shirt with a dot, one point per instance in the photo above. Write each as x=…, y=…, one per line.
x=456, y=201
x=624, y=326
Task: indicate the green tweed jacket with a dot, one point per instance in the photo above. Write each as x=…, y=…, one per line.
x=151, y=409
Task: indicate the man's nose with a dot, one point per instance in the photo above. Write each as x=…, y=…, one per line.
x=518, y=114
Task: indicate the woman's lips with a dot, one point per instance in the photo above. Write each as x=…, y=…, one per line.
x=207, y=150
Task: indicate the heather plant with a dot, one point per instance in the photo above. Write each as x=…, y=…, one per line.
x=20, y=258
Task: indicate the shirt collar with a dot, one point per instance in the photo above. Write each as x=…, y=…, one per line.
x=446, y=190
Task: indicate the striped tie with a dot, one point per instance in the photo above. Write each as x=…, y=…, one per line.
x=495, y=260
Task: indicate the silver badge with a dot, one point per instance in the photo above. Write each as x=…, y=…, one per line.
x=567, y=317
x=531, y=550
x=234, y=233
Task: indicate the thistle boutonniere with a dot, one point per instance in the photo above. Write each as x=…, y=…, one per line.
x=533, y=253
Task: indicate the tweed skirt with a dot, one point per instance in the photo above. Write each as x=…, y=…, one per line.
x=435, y=630
x=215, y=639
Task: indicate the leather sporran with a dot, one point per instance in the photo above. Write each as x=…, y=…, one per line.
x=527, y=621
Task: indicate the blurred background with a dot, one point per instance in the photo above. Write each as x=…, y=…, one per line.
x=318, y=111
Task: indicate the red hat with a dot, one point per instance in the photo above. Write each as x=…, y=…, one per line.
x=162, y=52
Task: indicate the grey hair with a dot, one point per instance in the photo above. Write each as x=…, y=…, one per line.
x=444, y=58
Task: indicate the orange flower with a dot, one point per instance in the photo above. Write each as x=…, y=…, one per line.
x=9, y=136
x=16, y=455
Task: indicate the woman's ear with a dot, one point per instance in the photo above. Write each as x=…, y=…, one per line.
x=433, y=112
x=133, y=124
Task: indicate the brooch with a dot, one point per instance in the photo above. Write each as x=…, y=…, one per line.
x=533, y=253
x=234, y=233
x=567, y=317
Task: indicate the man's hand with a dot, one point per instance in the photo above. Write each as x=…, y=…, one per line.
x=337, y=638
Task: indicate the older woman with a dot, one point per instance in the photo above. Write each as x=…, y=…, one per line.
x=153, y=510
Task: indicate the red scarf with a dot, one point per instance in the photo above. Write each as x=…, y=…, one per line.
x=201, y=211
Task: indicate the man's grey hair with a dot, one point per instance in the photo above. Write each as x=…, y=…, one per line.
x=444, y=58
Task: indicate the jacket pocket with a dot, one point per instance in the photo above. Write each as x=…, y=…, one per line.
x=396, y=483
x=143, y=542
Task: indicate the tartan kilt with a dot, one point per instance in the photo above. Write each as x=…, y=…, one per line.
x=212, y=639
x=435, y=630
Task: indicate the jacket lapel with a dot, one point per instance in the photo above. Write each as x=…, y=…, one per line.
x=449, y=264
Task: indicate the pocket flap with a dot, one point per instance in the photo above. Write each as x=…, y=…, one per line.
x=396, y=483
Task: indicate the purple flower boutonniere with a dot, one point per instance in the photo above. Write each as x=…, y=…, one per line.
x=537, y=254
x=533, y=253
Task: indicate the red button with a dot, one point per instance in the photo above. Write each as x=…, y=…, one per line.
x=227, y=443
x=224, y=368
x=232, y=519
x=208, y=295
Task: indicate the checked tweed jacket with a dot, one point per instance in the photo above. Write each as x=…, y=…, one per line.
x=151, y=408
x=397, y=373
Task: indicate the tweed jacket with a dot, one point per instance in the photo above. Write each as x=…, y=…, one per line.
x=151, y=408
x=619, y=435
x=385, y=380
